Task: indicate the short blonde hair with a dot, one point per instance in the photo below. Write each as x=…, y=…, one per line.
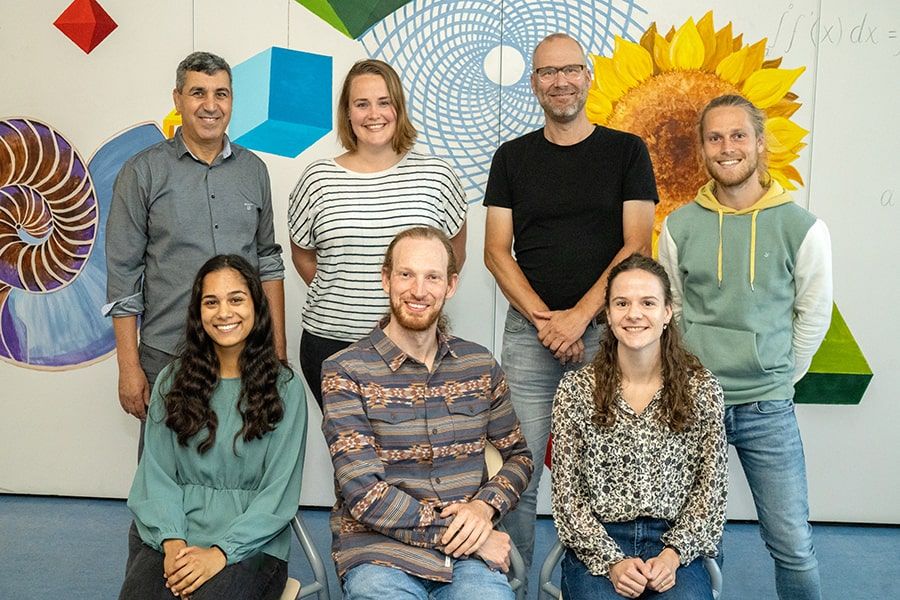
x=404, y=133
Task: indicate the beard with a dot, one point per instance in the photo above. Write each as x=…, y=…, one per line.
x=420, y=322
x=737, y=177
x=567, y=112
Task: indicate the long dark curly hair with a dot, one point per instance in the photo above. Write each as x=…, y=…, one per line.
x=187, y=402
x=677, y=363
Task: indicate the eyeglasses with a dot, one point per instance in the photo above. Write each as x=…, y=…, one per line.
x=547, y=74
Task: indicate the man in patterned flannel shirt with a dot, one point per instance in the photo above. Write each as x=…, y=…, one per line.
x=408, y=411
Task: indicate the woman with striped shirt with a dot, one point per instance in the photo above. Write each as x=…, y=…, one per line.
x=345, y=211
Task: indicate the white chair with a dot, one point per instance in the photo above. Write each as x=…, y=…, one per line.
x=493, y=461
x=549, y=590
x=294, y=590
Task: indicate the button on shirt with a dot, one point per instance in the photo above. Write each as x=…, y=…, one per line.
x=406, y=442
x=637, y=467
x=170, y=213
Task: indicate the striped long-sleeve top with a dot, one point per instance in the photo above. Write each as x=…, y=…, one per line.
x=349, y=218
x=406, y=442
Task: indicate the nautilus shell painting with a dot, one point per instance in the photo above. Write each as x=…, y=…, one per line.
x=53, y=208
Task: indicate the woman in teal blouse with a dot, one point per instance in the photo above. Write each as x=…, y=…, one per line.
x=219, y=479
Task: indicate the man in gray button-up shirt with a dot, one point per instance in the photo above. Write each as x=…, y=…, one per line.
x=175, y=205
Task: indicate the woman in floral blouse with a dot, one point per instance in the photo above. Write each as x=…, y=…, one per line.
x=639, y=453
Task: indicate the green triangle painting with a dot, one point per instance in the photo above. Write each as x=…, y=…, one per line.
x=352, y=17
x=839, y=373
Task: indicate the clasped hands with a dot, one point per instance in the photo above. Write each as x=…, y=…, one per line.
x=631, y=576
x=472, y=532
x=560, y=332
x=186, y=568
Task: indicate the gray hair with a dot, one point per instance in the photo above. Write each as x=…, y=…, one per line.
x=202, y=62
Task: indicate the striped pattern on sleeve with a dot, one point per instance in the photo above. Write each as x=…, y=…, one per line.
x=350, y=218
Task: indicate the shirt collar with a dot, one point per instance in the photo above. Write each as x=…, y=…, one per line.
x=181, y=148
x=394, y=357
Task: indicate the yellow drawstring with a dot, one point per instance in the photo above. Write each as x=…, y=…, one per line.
x=753, y=248
x=719, y=258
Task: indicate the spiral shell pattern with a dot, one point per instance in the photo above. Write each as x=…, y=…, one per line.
x=48, y=209
x=48, y=216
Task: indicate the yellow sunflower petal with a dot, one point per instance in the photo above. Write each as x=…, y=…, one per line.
x=670, y=34
x=648, y=41
x=784, y=176
x=605, y=78
x=766, y=87
x=781, y=159
x=755, y=55
x=723, y=47
x=598, y=107
x=661, y=53
x=687, y=50
x=793, y=174
x=737, y=43
x=772, y=64
x=708, y=34
x=732, y=67
x=784, y=108
x=648, y=38
x=633, y=63
x=783, y=134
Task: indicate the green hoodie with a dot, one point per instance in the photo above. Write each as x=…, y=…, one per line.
x=737, y=275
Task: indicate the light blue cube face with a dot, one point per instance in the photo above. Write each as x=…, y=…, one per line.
x=282, y=101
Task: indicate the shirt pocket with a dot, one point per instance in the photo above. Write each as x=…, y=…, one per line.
x=469, y=417
x=236, y=220
x=393, y=425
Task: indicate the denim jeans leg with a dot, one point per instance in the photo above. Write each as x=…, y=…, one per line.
x=473, y=579
x=533, y=375
x=375, y=582
x=577, y=583
x=767, y=439
x=640, y=538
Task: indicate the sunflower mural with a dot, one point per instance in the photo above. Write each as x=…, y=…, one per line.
x=657, y=88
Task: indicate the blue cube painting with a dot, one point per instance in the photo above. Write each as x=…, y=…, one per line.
x=282, y=101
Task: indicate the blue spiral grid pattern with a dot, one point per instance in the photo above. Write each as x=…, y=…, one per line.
x=439, y=50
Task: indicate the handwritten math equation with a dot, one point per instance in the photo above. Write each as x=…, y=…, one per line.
x=862, y=29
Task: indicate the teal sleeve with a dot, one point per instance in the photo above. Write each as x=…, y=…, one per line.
x=156, y=498
x=279, y=493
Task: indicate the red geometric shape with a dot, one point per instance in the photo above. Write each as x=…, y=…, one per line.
x=85, y=23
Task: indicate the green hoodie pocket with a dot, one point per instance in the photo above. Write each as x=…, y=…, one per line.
x=731, y=354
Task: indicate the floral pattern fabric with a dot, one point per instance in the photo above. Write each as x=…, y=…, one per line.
x=637, y=467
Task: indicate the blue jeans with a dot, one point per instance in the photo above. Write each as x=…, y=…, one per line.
x=767, y=440
x=471, y=579
x=639, y=538
x=533, y=375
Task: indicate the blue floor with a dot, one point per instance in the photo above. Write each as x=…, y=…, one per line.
x=75, y=549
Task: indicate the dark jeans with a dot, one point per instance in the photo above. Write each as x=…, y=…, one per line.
x=638, y=538
x=313, y=352
x=259, y=577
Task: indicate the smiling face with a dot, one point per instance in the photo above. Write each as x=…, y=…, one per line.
x=637, y=310
x=205, y=106
x=562, y=98
x=371, y=112
x=226, y=310
x=418, y=283
x=731, y=148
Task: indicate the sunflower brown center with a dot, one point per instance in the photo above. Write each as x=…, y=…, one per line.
x=658, y=110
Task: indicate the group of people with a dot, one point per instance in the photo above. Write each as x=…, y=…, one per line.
x=641, y=415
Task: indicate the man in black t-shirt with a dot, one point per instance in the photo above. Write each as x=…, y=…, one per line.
x=571, y=199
